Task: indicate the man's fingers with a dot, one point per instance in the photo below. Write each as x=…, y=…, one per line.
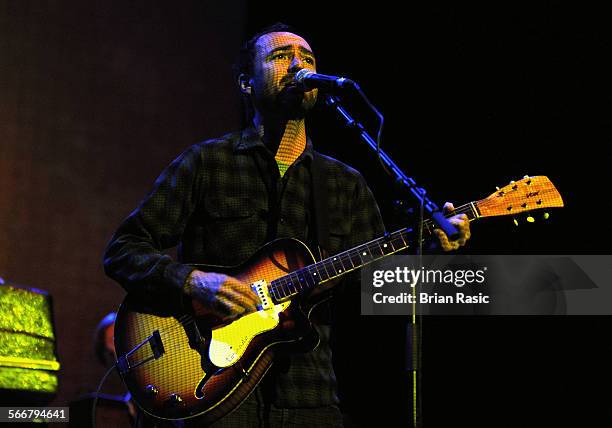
x=227, y=308
x=241, y=293
x=444, y=242
x=462, y=223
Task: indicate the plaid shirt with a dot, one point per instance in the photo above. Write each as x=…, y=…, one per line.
x=219, y=202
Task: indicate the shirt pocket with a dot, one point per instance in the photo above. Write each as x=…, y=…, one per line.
x=232, y=228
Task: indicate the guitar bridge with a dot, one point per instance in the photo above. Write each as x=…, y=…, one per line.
x=124, y=364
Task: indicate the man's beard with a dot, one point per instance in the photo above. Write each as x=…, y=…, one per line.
x=294, y=102
x=291, y=103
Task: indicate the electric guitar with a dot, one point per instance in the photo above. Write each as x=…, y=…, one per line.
x=176, y=366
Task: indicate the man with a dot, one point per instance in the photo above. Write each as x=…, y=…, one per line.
x=223, y=199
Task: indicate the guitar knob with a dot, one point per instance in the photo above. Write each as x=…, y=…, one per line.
x=530, y=219
x=515, y=221
x=151, y=390
x=175, y=400
x=545, y=216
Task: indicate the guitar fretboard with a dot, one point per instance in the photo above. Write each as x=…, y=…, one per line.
x=333, y=267
x=338, y=265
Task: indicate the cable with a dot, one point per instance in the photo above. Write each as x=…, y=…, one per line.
x=381, y=120
x=95, y=401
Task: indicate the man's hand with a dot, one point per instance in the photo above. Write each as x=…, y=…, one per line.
x=462, y=224
x=219, y=296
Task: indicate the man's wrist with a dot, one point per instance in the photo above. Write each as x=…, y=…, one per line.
x=190, y=282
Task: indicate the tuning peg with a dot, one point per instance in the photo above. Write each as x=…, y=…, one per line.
x=530, y=219
x=545, y=216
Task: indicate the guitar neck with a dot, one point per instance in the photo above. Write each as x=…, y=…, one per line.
x=470, y=210
x=332, y=267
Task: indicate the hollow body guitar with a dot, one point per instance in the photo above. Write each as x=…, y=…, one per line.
x=176, y=366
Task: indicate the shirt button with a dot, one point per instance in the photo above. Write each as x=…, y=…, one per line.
x=282, y=220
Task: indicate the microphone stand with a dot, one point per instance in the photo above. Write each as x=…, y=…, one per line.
x=413, y=330
x=400, y=178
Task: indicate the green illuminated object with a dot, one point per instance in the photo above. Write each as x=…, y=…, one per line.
x=28, y=360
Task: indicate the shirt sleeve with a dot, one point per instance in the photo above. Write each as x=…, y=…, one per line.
x=134, y=256
x=366, y=221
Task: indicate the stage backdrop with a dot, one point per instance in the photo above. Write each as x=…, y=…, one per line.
x=96, y=100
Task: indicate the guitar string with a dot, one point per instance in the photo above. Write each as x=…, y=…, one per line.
x=186, y=320
x=284, y=281
x=466, y=208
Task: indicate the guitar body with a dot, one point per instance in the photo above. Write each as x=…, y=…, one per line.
x=184, y=368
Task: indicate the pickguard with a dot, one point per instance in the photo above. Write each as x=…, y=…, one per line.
x=228, y=343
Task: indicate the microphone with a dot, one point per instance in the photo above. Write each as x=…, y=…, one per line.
x=308, y=79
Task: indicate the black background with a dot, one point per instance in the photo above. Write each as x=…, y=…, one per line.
x=475, y=96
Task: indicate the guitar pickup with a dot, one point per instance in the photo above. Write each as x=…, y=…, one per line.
x=261, y=289
x=124, y=364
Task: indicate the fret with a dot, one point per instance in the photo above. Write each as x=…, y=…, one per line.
x=327, y=274
x=365, y=253
x=314, y=272
x=380, y=248
x=311, y=280
x=329, y=266
x=346, y=261
x=355, y=259
x=300, y=281
x=283, y=289
x=338, y=264
x=395, y=243
x=372, y=250
x=294, y=283
x=286, y=288
x=274, y=290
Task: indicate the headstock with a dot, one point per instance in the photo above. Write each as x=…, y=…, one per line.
x=528, y=194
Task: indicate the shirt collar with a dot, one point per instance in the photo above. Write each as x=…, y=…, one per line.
x=249, y=139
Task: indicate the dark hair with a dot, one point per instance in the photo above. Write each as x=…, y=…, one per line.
x=244, y=63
